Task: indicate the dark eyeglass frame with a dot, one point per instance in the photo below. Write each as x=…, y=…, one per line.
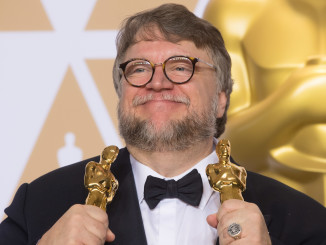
x=193, y=60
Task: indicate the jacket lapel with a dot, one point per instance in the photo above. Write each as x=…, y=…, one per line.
x=125, y=219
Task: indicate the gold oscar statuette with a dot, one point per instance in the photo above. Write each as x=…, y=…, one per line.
x=224, y=176
x=99, y=180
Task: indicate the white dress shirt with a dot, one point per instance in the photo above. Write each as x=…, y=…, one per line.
x=173, y=221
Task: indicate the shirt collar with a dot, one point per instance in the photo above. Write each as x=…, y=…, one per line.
x=141, y=172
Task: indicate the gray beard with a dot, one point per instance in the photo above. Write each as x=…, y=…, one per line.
x=175, y=135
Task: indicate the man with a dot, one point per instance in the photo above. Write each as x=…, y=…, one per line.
x=172, y=75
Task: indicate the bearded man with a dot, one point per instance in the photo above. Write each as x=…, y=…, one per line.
x=172, y=76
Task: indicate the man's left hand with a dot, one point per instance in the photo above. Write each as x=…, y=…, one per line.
x=247, y=215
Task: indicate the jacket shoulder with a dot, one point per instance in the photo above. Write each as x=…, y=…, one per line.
x=291, y=216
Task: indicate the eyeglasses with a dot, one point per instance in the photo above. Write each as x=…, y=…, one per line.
x=177, y=69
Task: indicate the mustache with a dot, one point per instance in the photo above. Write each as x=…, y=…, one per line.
x=140, y=100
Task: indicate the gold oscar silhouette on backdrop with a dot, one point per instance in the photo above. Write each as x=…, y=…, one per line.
x=277, y=116
x=224, y=176
x=99, y=180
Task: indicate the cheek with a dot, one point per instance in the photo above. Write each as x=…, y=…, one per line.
x=125, y=96
x=202, y=97
x=128, y=93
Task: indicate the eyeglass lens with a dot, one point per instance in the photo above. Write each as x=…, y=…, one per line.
x=177, y=69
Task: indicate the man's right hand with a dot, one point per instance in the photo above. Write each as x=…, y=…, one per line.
x=81, y=224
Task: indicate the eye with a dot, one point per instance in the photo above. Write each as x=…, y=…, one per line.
x=179, y=68
x=139, y=70
x=138, y=67
x=179, y=65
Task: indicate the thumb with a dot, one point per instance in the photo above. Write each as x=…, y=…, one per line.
x=212, y=220
x=109, y=236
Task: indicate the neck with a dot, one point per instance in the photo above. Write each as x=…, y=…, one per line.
x=172, y=163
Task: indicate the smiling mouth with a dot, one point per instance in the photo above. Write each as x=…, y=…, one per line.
x=140, y=100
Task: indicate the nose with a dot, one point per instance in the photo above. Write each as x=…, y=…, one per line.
x=159, y=80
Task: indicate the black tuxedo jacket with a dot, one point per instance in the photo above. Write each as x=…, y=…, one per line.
x=291, y=217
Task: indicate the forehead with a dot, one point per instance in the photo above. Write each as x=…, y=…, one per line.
x=173, y=43
x=159, y=50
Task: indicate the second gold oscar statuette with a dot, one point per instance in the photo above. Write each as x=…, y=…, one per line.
x=224, y=176
x=99, y=180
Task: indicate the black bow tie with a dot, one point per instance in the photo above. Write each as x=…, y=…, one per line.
x=188, y=189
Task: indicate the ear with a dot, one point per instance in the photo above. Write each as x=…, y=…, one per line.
x=221, y=104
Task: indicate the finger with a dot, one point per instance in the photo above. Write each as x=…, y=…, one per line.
x=97, y=214
x=229, y=206
x=90, y=239
x=96, y=228
x=227, y=236
x=110, y=236
x=212, y=220
x=240, y=217
x=93, y=219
